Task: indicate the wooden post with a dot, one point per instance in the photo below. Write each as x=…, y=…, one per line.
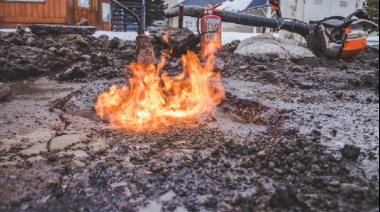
x=180, y=17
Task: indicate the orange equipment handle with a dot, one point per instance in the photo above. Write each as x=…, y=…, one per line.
x=214, y=10
x=353, y=47
x=276, y=7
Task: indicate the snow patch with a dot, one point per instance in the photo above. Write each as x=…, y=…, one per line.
x=131, y=36
x=152, y=206
x=227, y=37
x=373, y=40
x=168, y=196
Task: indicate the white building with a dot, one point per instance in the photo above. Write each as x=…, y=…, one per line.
x=313, y=10
x=188, y=22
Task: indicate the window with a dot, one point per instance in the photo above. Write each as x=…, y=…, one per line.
x=189, y=23
x=84, y=3
x=106, y=12
x=343, y=4
x=24, y=0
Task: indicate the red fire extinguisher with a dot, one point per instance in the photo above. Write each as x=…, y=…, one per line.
x=211, y=30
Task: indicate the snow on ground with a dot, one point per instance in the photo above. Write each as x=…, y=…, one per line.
x=373, y=40
x=9, y=30
x=227, y=37
x=120, y=35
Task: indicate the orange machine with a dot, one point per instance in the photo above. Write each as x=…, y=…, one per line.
x=343, y=38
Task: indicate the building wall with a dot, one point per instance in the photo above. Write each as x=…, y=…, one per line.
x=173, y=22
x=188, y=22
x=26, y=13
x=60, y=12
x=171, y=3
x=319, y=9
x=312, y=10
x=92, y=14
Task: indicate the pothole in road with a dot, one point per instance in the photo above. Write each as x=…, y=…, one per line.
x=234, y=115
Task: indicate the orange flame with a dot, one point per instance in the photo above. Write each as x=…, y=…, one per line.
x=165, y=38
x=155, y=100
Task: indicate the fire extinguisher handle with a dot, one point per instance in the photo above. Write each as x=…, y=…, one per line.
x=216, y=6
x=214, y=10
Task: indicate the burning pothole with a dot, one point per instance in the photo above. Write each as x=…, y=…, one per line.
x=233, y=114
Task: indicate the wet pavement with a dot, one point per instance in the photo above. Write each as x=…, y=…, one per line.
x=264, y=140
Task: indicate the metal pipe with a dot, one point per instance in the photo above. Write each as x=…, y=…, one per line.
x=145, y=52
x=295, y=26
x=140, y=30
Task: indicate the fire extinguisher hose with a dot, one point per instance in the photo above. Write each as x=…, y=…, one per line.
x=290, y=25
x=199, y=18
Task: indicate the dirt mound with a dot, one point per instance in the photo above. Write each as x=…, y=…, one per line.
x=28, y=55
x=87, y=58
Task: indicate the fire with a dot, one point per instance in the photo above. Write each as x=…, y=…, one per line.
x=155, y=100
x=165, y=38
